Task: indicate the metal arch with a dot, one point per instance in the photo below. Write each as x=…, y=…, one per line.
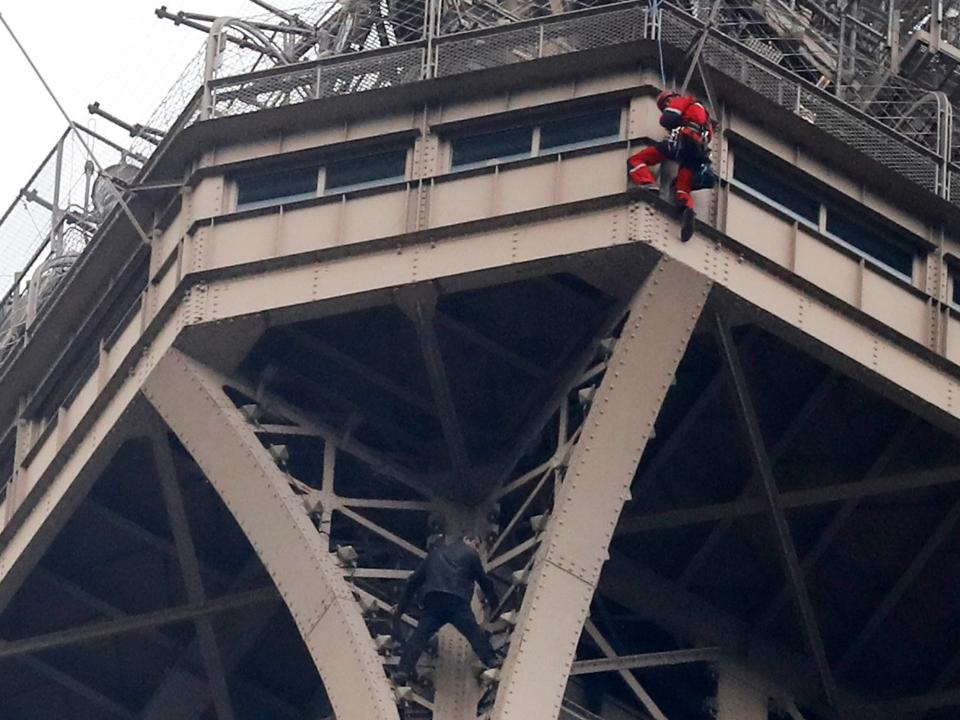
x=190, y=398
x=944, y=146
x=602, y=465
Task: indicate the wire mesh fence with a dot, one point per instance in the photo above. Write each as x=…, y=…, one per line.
x=47, y=227
x=551, y=37
x=788, y=51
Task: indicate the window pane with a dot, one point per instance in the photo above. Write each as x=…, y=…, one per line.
x=870, y=240
x=956, y=288
x=502, y=145
x=276, y=186
x=591, y=127
x=777, y=187
x=366, y=169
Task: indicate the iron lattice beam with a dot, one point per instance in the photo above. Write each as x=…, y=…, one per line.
x=763, y=466
x=601, y=470
x=190, y=398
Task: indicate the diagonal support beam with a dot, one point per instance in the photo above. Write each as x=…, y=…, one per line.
x=136, y=623
x=373, y=377
x=667, y=658
x=187, y=671
x=310, y=425
x=494, y=348
x=884, y=485
x=79, y=688
x=421, y=307
x=764, y=469
x=796, y=424
x=693, y=620
x=602, y=466
x=191, y=400
x=190, y=569
x=635, y=687
x=185, y=695
x=903, y=584
x=839, y=519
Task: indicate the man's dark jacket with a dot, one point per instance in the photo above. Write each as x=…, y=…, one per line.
x=450, y=569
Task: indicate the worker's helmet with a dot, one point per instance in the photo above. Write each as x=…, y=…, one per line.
x=665, y=97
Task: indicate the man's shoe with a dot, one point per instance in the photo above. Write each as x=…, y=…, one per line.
x=687, y=223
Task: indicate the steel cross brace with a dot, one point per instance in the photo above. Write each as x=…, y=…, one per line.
x=764, y=469
x=661, y=319
x=190, y=568
x=190, y=398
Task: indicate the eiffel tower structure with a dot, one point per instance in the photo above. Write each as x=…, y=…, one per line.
x=372, y=278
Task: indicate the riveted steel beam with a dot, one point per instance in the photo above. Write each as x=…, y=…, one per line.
x=190, y=569
x=886, y=484
x=943, y=530
x=763, y=467
x=628, y=677
x=191, y=400
x=839, y=519
x=420, y=305
x=797, y=423
x=645, y=660
x=687, y=616
x=660, y=322
x=136, y=623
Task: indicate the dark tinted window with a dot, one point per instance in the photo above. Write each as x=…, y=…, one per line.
x=956, y=288
x=766, y=181
x=580, y=129
x=276, y=186
x=364, y=169
x=502, y=145
x=870, y=240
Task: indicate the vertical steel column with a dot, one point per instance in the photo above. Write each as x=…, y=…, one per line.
x=456, y=690
x=191, y=400
x=662, y=316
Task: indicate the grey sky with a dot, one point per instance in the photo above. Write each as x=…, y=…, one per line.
x=114, y=51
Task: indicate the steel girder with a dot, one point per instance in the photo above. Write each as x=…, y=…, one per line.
x=661, y=318
x=191, y=400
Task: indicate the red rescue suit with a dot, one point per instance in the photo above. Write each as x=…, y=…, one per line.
x=688, y=144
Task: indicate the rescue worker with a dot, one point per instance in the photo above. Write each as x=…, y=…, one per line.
x=688, y=144
x=446, y=579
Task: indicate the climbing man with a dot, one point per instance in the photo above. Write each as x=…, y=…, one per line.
x=446, y=579
x=688, y=144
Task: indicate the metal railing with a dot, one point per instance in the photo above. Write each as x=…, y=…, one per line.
x=904, y=127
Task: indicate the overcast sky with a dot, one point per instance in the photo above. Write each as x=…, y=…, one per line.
x=116, y=52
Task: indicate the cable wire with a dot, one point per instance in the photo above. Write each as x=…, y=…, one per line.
x=79, y=135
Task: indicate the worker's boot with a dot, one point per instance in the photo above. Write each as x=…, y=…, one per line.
x=639, y=174
x=687, y=215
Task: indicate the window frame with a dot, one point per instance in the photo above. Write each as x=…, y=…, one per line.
x=535, y=127
x=320, y=167
x=828, y=200
x=238, y=179
x=324, y=191
x=953, y=283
